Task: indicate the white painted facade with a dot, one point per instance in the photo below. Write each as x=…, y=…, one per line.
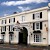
x=49, y=27
x=37, y=27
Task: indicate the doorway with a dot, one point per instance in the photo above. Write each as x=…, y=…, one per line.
x=20, y=38
x=23, y=36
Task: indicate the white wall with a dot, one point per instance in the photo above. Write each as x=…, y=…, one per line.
x=49, y=27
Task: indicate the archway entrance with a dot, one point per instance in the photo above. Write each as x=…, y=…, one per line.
x=23, y=36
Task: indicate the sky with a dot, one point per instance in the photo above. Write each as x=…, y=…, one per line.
x=7, y=7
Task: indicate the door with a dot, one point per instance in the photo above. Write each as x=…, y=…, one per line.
x=23, y=36
x=20, y=38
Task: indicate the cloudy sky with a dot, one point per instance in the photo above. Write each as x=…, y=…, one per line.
x=7, y=7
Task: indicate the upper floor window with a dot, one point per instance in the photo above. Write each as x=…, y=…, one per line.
x=23, y=18
x=11, y=28
x=37, y=15
x=37, y=26
x=4, y=21
x=3, y=28
x=11, y=20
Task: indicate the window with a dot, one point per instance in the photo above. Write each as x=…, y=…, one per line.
x=11, y=20
x=23, y=18
x=3, y=28
x=37, y=37
x=3, y=36
x=11, y=37
x=37, y=15
x=37, y=26
x=11, y=28
x=4, y=21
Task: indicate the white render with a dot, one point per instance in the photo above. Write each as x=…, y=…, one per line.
x=28, y=24
x=49, y=27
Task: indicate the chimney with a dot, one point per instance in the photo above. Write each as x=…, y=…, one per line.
x=14, y=12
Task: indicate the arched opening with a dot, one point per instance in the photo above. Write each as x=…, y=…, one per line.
x=23, y=36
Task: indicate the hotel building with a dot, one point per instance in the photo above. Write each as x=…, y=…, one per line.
x=35, y=27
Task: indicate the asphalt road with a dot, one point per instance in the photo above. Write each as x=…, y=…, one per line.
x=21, y=47
x=7, y=48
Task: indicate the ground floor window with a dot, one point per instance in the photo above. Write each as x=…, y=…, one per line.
x=37, y=37
x=11, y=37
x=3, y=36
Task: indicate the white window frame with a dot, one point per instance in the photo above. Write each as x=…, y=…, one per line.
x=3, y=36
x=11, y=27
x=23, y=18
x=3, y=21
x=36, y=15
x=36, y=26
x=36, y=38
x=3, y=28
x=11, y=20
x=11, y=37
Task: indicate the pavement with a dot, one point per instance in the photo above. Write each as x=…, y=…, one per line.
x=21, y=47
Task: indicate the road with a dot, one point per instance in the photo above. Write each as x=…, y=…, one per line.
x=21, y=47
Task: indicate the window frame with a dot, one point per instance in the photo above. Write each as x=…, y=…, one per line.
x=36, y=26
x=11, y=20
x=3, y=36
x=3, y=21
x=11, y=27
x=3, y=28
x=11, y=37
x=23, y=18
x=36, y=39
x=37, y=15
